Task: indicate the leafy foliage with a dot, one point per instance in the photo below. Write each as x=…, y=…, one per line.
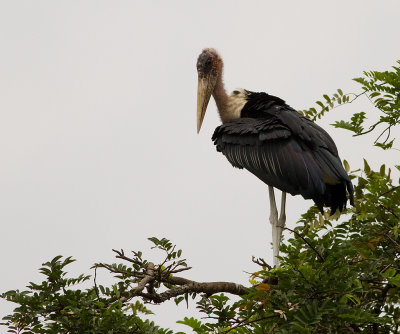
x=383, y=90
x=328, y=104
x=55, y=307
x=338, y=274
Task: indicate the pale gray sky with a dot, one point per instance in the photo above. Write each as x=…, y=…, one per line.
x=98, y=129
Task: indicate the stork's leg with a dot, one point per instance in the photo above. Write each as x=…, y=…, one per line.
x=281, y=223
x=273, y=219
x=277, y=224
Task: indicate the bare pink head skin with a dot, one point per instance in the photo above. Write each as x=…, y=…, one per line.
x=210, y=69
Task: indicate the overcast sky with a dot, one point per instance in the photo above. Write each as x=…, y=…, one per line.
x=98, y=124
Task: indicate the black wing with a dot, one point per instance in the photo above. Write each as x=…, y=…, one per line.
x=270, y=150
x=265, y=106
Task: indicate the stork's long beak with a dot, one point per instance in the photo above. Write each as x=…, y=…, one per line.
x=205, y=88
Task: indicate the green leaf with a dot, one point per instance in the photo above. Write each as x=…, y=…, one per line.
x=374, y=94
x=327, y=98
x=395, y=280
x=385, y=146
x=382, y=170
x=367, y=169
x=192, y=322
x=346, y=166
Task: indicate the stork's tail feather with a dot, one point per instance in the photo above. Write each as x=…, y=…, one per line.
x=350, y=189
x=335, y=197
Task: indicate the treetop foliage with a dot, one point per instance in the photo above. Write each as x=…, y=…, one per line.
x=382, y=90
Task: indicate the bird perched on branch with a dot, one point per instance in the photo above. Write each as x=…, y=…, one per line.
x=284, y=149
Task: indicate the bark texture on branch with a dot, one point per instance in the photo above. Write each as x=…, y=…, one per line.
x=181, y=286
x=209, y=288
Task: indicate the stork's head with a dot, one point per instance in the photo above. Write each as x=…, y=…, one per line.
x=209, y=68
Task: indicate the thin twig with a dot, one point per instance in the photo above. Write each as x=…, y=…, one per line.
x=371, y=128
x=392, y=240
x=166, y=258
x=388, y=191
x=121, y=255
x=110, y=269
x=388, y=210
x=96, y=289
x=174, y=271
x=272, y=328
x=250, y=322
x=376, y=140
x=307, y=242
x=261, y=262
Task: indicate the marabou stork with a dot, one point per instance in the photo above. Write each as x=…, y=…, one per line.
x=284, y=149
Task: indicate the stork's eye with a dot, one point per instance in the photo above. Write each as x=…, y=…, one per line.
x=236, y=92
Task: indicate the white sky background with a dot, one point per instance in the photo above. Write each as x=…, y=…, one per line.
x=98, y=135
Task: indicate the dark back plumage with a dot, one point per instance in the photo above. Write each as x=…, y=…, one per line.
x=285, y=150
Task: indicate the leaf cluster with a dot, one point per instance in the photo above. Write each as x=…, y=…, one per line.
x=57, y=306
x=382, y=89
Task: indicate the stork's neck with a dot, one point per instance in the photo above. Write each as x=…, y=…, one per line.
x=221, y=98
x=229, y=107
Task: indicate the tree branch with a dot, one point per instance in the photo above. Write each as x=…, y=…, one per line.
x=209, y=288
x=151, y=277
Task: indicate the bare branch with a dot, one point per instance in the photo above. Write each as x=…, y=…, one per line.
x=121, y=255
x=261, y=262
x=174, y=271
